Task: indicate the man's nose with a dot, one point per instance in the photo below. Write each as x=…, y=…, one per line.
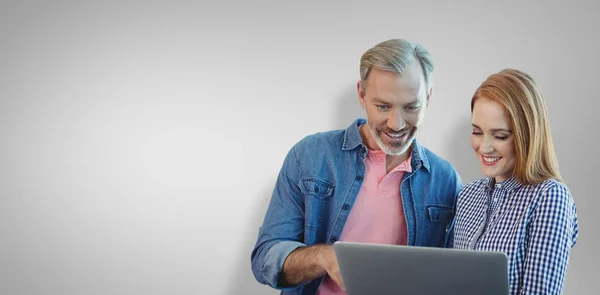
x=396, y=121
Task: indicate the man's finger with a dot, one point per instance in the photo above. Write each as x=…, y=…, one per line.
x=338, y=280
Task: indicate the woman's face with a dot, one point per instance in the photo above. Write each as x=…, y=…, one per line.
x=492, y=139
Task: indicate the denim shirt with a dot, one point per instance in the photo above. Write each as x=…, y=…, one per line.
x=316, y=189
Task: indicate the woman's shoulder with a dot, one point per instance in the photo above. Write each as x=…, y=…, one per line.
x=549, y=194
x=476, y=189
x=547, y=186
x=476, y=184
x=554, y=190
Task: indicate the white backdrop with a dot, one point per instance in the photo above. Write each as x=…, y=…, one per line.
x=140, y=141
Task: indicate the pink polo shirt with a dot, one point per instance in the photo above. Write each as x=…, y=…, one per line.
x=377, y=216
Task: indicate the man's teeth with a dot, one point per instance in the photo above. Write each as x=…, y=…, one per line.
x=491, y=159
x=395, y=135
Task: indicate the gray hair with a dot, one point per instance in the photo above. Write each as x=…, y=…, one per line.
x=394, y=56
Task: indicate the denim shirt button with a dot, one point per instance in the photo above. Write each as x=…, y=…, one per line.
x=359, y=178
x=333, y=239
x=345, y=207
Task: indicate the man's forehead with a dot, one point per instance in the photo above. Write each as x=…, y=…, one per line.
x=407, y=81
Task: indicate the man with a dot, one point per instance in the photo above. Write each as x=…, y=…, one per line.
x=370, y=183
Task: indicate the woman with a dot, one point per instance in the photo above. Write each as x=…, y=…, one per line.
x=521, y=207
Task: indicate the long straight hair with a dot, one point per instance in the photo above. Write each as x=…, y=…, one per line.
x=523, y=101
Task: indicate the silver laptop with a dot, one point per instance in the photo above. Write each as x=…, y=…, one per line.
x=369, y=269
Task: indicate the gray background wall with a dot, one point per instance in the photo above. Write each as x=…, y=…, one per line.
x=139, y=142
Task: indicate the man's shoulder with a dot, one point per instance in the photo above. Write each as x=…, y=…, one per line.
x=323, y=139
x=438, y=163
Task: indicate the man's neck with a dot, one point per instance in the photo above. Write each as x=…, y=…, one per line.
x=392, y=162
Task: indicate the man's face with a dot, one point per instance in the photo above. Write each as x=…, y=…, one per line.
x=395, y=108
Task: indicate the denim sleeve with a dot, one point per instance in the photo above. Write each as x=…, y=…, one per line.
x=450, y=233
x=282, y=230
x=552, y=231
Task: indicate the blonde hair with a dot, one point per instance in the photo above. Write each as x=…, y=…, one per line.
x=395, y=56
x=523, y=101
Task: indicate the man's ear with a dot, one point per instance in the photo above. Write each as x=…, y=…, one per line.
x=361, y=94
x=429, y=96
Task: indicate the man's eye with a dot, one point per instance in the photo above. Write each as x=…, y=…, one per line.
x=383, y=107
x=411, y=109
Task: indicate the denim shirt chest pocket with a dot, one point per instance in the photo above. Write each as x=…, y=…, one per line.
x=439, y=213
x=440, y=217
x=317, y=193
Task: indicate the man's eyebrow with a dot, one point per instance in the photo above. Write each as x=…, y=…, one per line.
x=414, y=102
x=379, y=100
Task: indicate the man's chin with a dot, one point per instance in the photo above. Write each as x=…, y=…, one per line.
x=395, y=150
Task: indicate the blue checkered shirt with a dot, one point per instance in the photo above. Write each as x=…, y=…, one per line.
x=534, y=225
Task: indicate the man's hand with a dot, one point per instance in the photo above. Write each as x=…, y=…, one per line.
x=308, y=263
x=330, y=264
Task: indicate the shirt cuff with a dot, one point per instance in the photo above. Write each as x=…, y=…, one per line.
x=274, y=262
